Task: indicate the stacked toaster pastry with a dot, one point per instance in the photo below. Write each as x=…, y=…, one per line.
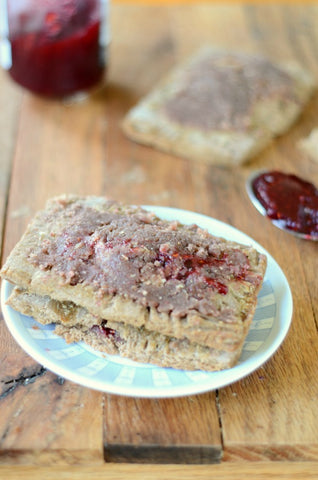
x=128, y=283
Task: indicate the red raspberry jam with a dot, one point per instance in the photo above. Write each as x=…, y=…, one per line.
x=59, y=54
x=290, y=200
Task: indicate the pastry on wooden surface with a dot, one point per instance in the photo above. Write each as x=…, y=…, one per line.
x=144, y=276
x=220, y=107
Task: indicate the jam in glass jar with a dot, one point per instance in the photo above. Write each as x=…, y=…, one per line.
x=54, y=48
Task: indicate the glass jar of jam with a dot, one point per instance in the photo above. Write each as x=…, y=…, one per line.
x=54, y=48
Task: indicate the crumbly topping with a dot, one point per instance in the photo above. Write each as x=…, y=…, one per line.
x=130, y=252
x=220, y=90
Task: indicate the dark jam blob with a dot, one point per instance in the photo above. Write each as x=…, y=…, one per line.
x=107, y=332
x=290, y=200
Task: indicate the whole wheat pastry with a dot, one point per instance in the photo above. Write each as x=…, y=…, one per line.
x=220, y=107
x=122, y=264
x=75, y=324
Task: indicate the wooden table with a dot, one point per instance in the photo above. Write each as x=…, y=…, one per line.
x=264, y=426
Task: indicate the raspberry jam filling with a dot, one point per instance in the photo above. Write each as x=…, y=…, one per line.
x=191, y=265
x=107, y=332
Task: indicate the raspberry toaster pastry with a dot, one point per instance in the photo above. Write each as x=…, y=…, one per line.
x=127, y=282
x=220, y=107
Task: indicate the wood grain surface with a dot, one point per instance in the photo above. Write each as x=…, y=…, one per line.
x=183, y=431
x=225, y=471
x=264, y=426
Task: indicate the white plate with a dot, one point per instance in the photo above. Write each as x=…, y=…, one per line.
x=116, y=375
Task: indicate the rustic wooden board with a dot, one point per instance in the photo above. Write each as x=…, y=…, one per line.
x=80, y=148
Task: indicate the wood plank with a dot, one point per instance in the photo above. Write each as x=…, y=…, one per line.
x=184, y=430
x=10, y=99
x=140, y=430
x=258, y=420
x=136, y=174
x=212, y=2
x=273, y=393
x=40, y=171
x=204, y=23
x=48, y=421
x=225, y=471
